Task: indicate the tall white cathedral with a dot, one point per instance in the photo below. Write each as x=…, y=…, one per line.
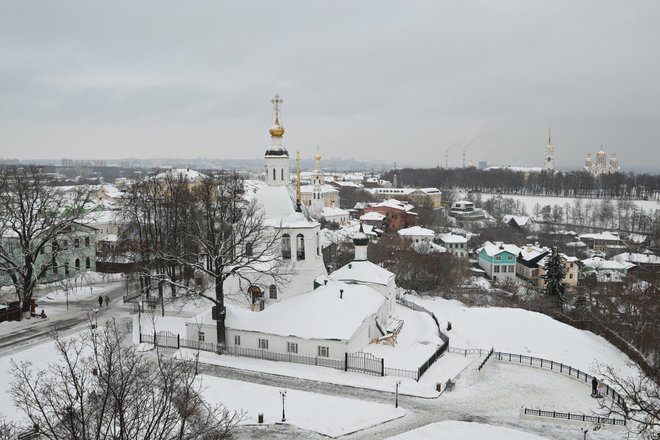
x=601, y=166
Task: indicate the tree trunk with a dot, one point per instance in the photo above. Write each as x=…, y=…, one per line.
x=220, y=304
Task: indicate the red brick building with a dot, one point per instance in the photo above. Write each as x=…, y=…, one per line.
x=398, y=214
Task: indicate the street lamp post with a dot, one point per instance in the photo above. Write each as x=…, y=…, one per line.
x=283, y=394
x=396, y=394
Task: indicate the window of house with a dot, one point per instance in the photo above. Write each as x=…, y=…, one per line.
x=65, y=243
x=76, y=243
x=318, y=245
x=200, y=336
x=263, y=344
x=286, y=246
x=324, y=351
x=496, y=268
x=282, y=173
x=237, y=340
x=248, y=249
x=300, y=247
x=273, y=291
x=498, y=258
x=512, y=269
x=86, y=241
x=274, y=175
x=570, y=276
x=292, y=347
x=509, y=257
x=66, y=268
x=88, y=263
x=77, y=263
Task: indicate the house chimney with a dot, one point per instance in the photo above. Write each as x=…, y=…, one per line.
x=361, y=241
x=325, y=282
x=350, y=265
x=341, y=293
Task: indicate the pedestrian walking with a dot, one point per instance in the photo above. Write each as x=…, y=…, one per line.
x=594, y=387
x=107, y=300
x=100, y=301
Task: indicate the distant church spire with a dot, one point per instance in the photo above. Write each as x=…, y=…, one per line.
x=549, y=161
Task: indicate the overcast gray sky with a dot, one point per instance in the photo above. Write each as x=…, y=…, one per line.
x=398, y=81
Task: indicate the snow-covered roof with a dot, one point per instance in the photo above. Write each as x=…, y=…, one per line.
x=520, y=220
x=498, y=247
x=319, y=314
x=101, y=217
x=416, y=231
x=187, y=173
x=637, y=238
x=600, y=236
x=576, y=244
x=566, y=258
x=599, y=263
x=363, y=271
x=372, y=216
x=637, y=258
x=530, y=252
x=404, y=191
x=280, y=209
x=334, y=212
x=394, y=203
x=428, y=247
x=452, y=238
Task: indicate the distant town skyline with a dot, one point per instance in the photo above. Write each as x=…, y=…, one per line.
x=409, y=82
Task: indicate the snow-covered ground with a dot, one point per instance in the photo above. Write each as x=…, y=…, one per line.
x=530, y=201
x=524, y=332
x=465, y=431
x=327, y=415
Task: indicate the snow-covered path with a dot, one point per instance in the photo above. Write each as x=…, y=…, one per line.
x=493, y=396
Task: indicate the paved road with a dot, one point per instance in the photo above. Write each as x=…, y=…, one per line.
x=69, y=322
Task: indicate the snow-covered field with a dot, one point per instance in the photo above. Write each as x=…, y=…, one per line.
x=465, y=431
x=327, y=415
x=530, y=201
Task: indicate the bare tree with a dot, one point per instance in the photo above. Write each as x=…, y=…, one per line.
x=103, y=388
x=34, y=219
x=207, y=229
x=641, y=400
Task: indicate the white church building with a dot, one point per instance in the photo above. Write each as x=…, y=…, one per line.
x=311, y=313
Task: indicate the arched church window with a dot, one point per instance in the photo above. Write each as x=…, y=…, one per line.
x=273, y=291
x=274, y=175
x=282, y=172
x=286, y=246
x=88, y=263
x=300, y=247
x=77, y=263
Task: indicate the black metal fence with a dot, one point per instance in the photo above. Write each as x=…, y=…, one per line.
x=198, y=345
x=490, y=353
x=573, y=416
x=398, y=372
x=468, y=351
x=364, y=363
x=559, y=367
x=442, y=349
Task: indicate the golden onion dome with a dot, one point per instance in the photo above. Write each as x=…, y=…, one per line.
x=317, y=156
x=276, y=130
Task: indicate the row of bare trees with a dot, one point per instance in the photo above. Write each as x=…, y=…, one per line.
x=36, y=219
x=180, y=230
x=101, y=387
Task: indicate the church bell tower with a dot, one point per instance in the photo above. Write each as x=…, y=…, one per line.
x=277, y=157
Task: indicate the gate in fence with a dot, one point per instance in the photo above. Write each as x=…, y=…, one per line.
x=166, y=339
x=365, y=363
